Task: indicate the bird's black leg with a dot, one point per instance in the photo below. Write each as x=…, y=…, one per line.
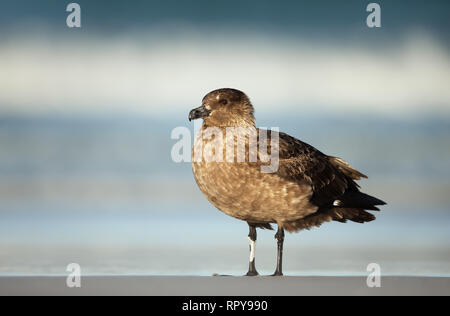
x=279, y=236
x=252, y=242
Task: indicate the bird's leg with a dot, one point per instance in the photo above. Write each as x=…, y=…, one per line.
x=252, y=242
x=279, y=236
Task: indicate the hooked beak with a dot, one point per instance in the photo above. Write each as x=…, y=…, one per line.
x=199, y=112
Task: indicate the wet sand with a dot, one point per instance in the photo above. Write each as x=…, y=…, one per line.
x=223, y=285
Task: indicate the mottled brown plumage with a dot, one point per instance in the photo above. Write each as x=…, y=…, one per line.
x=307, y=189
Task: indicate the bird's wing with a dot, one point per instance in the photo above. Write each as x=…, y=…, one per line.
x=329, y=177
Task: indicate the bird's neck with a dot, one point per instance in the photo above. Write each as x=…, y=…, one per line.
x=244, y=122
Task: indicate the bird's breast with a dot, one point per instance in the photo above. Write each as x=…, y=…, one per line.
x=241, y=190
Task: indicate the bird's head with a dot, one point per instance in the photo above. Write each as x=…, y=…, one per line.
x=225, y=107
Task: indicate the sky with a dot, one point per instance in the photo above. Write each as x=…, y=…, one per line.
x=159, y=58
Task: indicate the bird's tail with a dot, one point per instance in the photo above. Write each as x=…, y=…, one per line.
x=327, y=215
x=357, y=215
x=352, y=206
x=356, y=199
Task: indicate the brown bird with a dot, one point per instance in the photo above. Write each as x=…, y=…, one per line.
x=305, y=187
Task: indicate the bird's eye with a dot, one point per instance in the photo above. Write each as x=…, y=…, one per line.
x=224, y=101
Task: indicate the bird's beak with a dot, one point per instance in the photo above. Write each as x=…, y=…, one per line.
x=199, y=112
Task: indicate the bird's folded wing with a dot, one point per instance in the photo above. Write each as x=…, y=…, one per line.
x=299, y=161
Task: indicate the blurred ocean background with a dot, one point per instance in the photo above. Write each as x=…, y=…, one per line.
x=86, y=115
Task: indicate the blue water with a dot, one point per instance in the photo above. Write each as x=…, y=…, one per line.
x=104, y=192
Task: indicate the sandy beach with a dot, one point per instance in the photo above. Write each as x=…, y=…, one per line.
x=223, y=285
